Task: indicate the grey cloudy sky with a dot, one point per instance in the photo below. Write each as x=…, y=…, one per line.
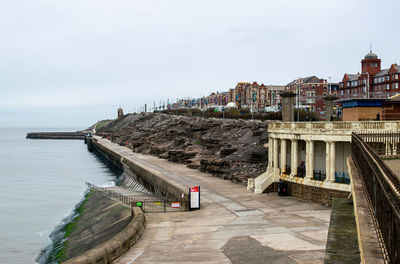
x=71, y=63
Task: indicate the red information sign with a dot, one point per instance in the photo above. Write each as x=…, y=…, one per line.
x=194, y=197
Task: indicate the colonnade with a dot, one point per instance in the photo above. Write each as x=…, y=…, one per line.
x=276, y=152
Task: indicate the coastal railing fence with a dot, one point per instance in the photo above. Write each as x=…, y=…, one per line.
x=161, y=206
x=147, y=205
x=382, y=188
x=112, y=194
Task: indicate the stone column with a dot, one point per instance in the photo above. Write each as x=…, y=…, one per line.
x=312, y=160
x=387, y=148
x=328, y=161
x=307, y=157
x=283, y=156
x=309, y=160
x=295, y=157
x=276, y=172
x=332, y=162
x=270, y=152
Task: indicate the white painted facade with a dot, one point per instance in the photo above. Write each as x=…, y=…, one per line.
x=318, y=148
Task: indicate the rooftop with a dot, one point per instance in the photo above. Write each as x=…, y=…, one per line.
x=370, y=55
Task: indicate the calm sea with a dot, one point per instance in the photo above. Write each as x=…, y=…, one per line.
x=41, y=181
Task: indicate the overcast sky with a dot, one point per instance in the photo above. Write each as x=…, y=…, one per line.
x=71, y=63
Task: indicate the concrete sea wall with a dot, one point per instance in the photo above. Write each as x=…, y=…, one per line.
x=116, y=246
x=149, y=178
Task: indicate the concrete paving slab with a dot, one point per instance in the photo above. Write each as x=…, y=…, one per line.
x=286, y=242
x=233, y=225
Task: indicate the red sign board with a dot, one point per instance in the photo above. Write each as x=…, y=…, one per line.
x=194, y=197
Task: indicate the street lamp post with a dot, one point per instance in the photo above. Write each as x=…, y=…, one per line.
x=251, y=102
x=329, y=86
x=298, y=99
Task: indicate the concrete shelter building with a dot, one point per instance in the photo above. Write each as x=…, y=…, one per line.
x=312, y=157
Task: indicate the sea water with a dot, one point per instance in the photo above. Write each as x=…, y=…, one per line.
x=41, y=181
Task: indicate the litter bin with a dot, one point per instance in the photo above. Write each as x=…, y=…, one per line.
x=283, y=188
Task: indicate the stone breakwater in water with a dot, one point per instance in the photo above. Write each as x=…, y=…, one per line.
x=56, y=135
x=230, y=149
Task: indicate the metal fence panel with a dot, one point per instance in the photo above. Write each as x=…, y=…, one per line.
x=382, y=187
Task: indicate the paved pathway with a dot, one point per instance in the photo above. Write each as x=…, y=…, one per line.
x=234, y=225
x=394, y=165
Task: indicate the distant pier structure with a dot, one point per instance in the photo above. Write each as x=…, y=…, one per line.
x=57, y=135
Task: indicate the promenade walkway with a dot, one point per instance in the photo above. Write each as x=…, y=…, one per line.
x=234, y=225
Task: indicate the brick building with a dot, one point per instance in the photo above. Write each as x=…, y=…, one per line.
x=274, y=95
x=372, y=82
x=312, y=91
x=247, y=95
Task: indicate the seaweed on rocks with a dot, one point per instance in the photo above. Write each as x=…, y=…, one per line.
x=53, y=253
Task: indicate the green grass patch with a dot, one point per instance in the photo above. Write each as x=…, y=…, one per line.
x=102, y=123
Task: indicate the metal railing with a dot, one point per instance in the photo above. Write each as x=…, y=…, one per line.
x=160, y=206
x=342, y=177
x=319, y=175
x=382, y=187
x=147, y=205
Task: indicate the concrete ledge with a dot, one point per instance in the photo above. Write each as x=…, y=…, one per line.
x=368, y=242
x=315, y=193
x=115, y=247
x=342, y=246
x=314, y=183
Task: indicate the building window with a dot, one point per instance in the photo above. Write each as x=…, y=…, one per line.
x=387, y=78
x=387, y=87
x=396, y=85
x=396, y=76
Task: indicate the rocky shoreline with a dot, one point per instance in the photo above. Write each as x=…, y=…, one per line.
x=230, y=149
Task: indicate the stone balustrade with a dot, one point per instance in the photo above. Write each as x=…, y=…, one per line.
x=332, y=126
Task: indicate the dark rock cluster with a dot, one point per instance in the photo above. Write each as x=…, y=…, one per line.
x=230, y=149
